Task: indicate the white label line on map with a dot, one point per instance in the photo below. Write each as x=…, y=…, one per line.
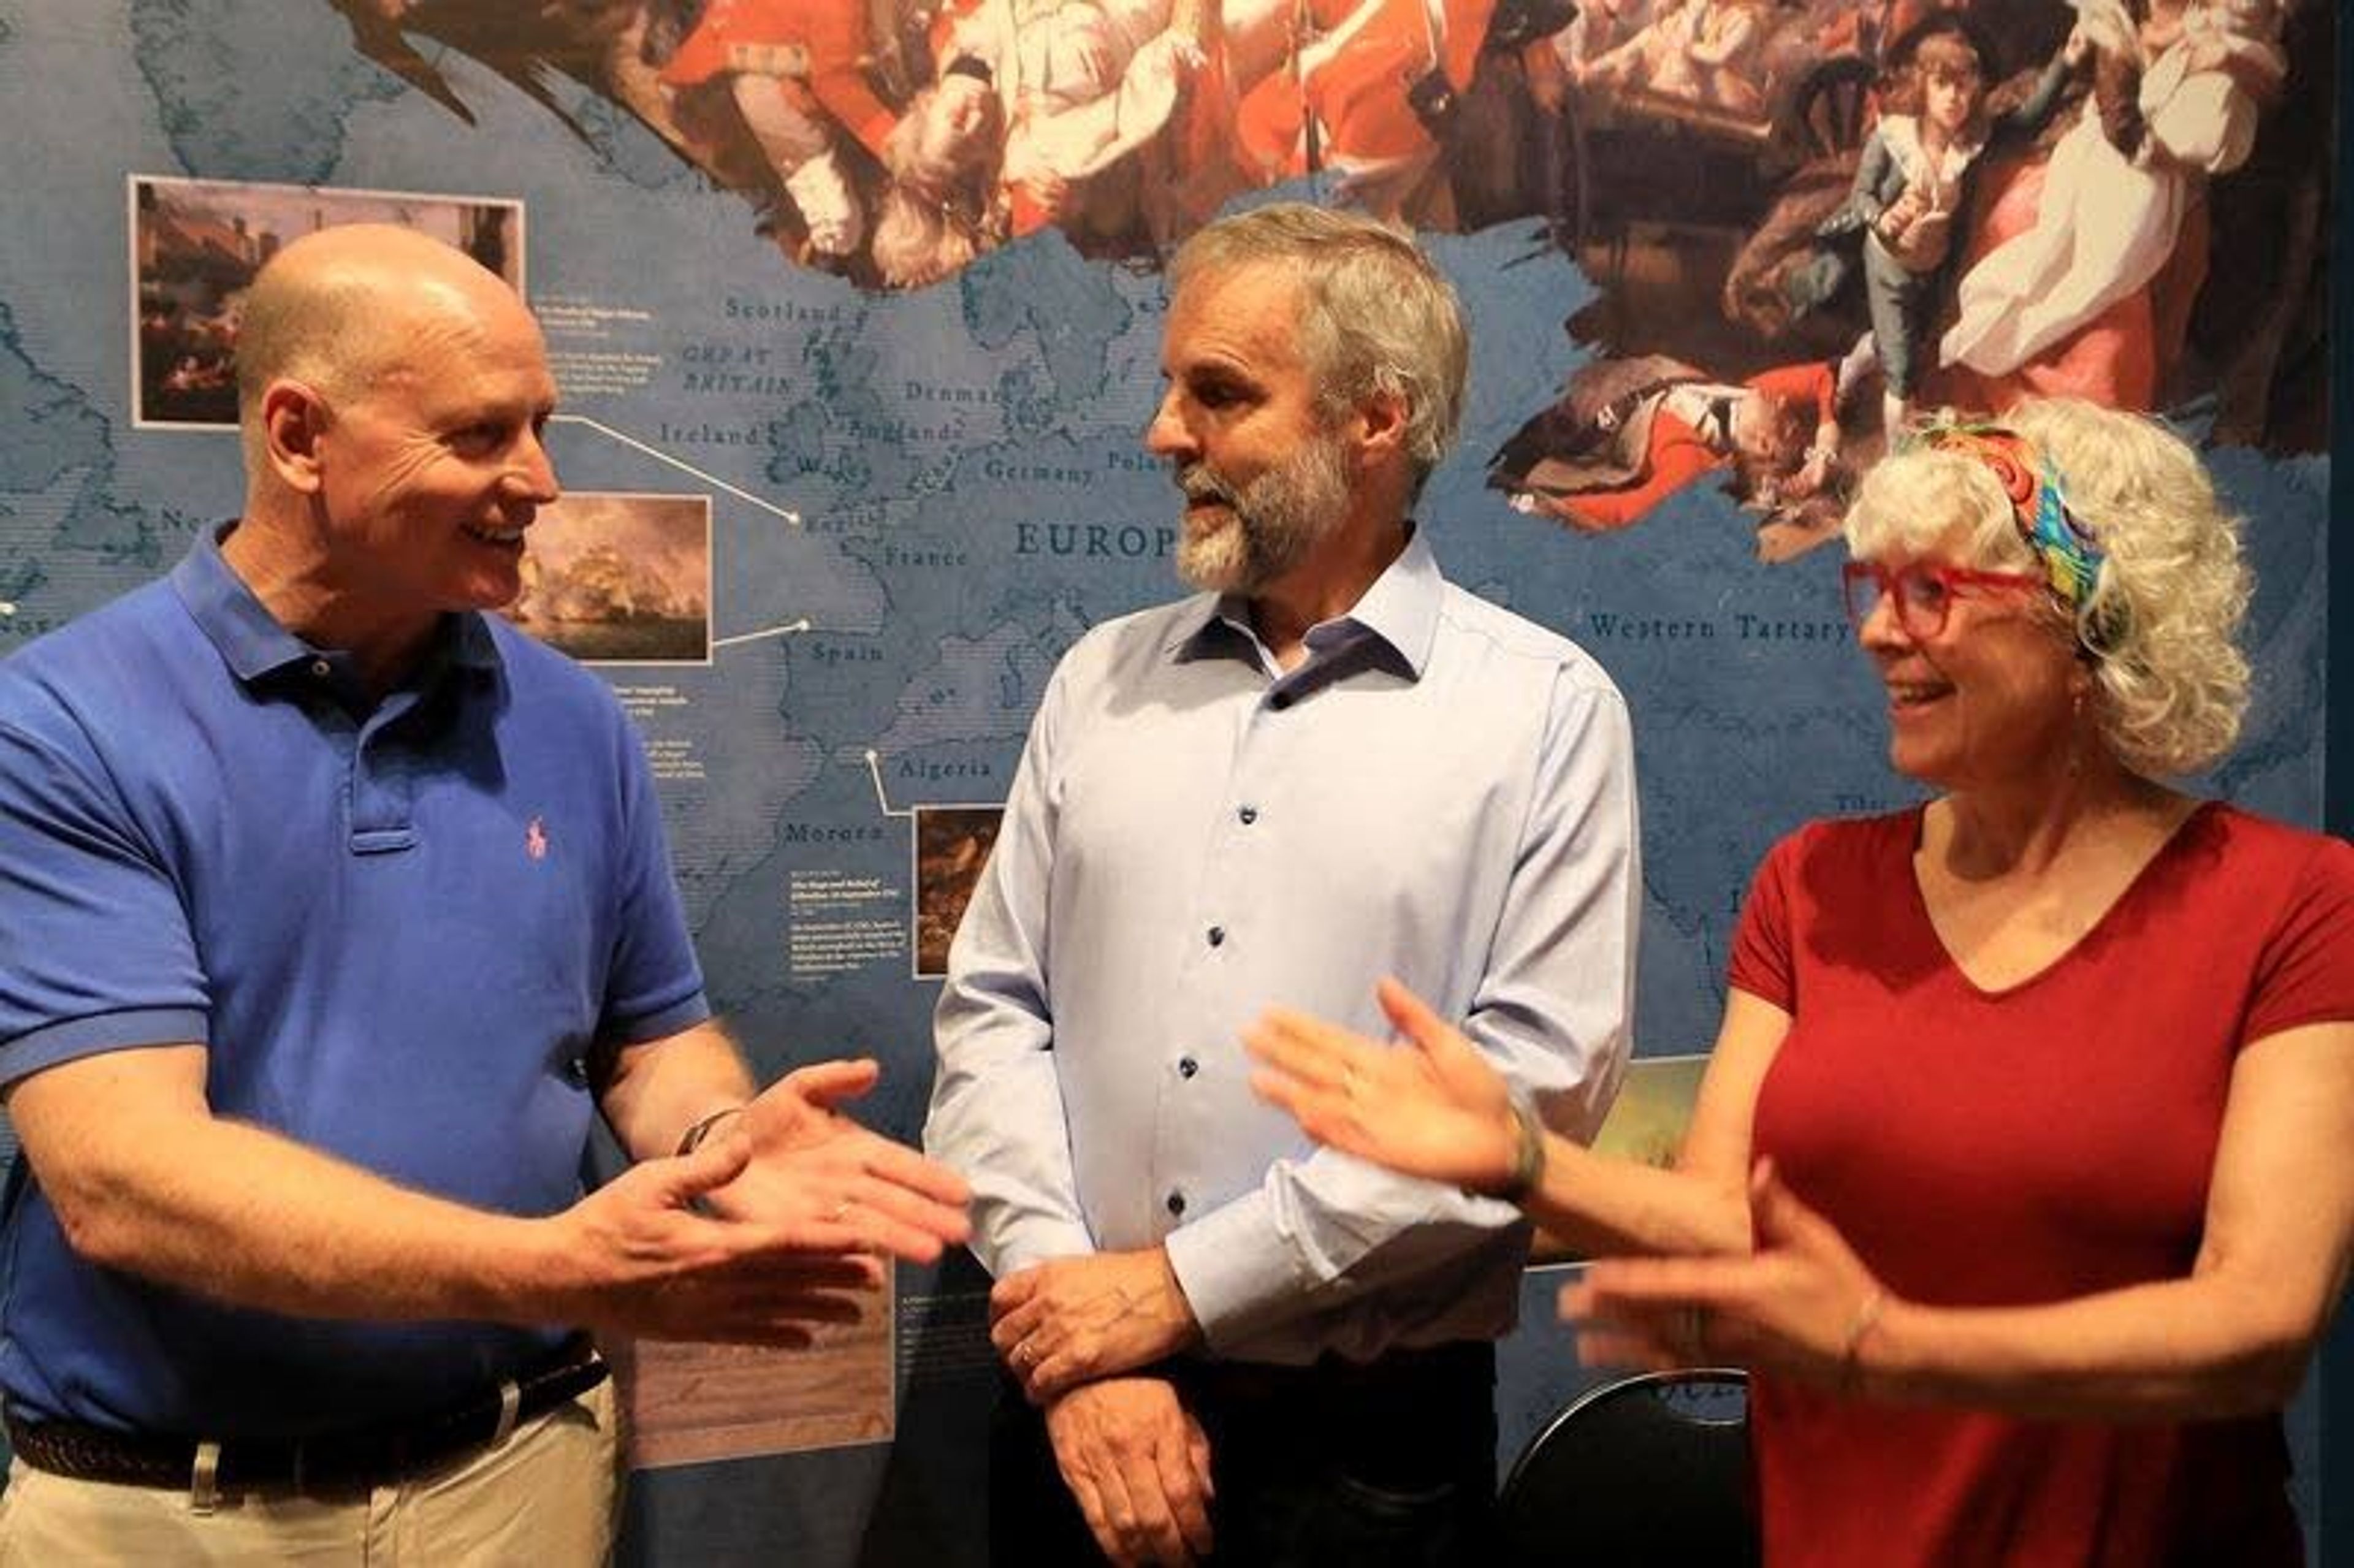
x=874, y=771
x=661, y=456
x=787, y=630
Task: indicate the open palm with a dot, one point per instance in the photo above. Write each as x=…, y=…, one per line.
x=1429, y=1106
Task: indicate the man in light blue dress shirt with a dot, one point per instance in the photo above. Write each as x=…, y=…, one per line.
x=1330, y=766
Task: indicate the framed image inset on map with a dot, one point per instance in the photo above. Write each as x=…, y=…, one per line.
x=196, y=244
x=620, y=578
x=951, y=845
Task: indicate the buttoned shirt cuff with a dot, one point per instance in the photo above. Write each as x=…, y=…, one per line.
x=1238, y=1277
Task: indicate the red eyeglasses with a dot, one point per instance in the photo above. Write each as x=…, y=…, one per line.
x=1922, y=591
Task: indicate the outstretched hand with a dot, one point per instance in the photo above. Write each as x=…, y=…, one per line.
x=1430, y=1106
x=1802, y=1304
x=813, y=1173
x=643, y=1255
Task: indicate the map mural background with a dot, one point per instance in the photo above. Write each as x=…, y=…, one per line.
x=900, y=488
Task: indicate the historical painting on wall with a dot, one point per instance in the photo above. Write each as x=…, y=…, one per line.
x=952, y=843
x=1646, y=1124
x=620, y=579
x=196, y=244
x=1814, y=222
x=1810, y=219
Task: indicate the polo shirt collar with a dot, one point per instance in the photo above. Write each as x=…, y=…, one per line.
x=469, y=641
x=1400, y=610
x=253, y=642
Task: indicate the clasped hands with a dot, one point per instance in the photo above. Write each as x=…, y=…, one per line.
x=1075, y=1332
x=1075, y=1320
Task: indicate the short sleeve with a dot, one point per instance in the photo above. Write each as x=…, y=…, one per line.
x=2305, y=972
x=1762, y=961
x=96, y=952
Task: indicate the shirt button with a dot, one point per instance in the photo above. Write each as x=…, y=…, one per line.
x=1176, y=1203
x=1187, y=1067
x=1280, y=701
x=1217, y=936
x=321, y=668
x=1249, y=815
x=577, y=1069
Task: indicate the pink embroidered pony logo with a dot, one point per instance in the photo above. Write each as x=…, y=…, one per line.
x=534, y=840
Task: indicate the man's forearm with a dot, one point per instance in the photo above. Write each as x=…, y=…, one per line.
x=996, y=1110
x=657, y=1090
x=144, y=1177
x=243, y=1215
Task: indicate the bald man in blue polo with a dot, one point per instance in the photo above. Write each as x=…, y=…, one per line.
x=332, y=910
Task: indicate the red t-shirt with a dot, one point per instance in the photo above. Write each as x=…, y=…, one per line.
x=2025, y=1146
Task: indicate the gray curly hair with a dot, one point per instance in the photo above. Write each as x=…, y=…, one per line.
x=2162, y=625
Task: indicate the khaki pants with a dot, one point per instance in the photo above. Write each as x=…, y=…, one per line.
x=546, y=1497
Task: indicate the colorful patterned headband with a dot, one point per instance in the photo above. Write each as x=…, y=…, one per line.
x=2038, y=502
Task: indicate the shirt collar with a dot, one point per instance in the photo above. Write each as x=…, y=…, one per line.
x=468, y=639
x=253, y=642
x=1401, y=609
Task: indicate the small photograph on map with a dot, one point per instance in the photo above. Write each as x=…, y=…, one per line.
x=620, y=579
x=952, y=843
x=196, y=244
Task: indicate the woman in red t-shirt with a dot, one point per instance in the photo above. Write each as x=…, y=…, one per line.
x=2019, y=1176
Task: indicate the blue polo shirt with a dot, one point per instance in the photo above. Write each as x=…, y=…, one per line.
x=398, y=927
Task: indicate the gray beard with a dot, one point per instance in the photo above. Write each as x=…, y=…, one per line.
x=1273, y=522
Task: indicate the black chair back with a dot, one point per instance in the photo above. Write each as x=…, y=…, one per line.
x=1653, y=1470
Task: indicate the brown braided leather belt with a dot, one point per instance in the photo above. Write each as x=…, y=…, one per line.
x=334, y=1461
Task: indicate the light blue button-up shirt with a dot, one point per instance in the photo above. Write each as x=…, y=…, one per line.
x=1441, y=791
